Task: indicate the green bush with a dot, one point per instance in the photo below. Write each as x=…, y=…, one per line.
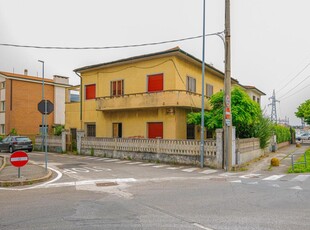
x=283, y=133
x=58, y=130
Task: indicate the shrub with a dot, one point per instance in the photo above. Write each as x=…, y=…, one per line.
x=283, y=133
x=58, y=130
x=275, y=162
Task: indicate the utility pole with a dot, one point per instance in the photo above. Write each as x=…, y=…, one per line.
x=227, y=99
x=273, y=116
x=202, y=125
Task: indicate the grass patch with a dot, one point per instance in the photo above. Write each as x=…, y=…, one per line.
x=301, y=168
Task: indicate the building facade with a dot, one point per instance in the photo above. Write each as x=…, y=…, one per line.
x=147, y=96
x=19, y=98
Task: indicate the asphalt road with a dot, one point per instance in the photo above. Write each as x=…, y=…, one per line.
x=98, y=193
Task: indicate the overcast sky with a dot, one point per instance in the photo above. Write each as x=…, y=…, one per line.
x=270, y=38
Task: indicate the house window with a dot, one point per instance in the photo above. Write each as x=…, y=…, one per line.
x=258, y=100
x=2, y=129
x=191, y=84
x=2, y=85
x=155, y=130
x=117, y=88
x=190, y=131
x=117, y=130
x=91, y=130
x=254, y=98
x=90, y=92
x=155, y=83
x=209, y=90
x=2, y=106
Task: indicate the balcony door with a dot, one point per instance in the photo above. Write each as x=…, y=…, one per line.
x=155, y=130
x=155, y=83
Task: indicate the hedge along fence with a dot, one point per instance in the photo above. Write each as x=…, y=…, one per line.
x=283, y=133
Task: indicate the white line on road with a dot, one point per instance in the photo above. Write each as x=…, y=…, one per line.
x=250, y=176
x=148, y=164
x=122, y=162
x=274, y=177
x=209, y=171
x=202, y=227
x=301, y=178
x=296, y=188
x=190, y=170
x=134, y=163
x=112, y=160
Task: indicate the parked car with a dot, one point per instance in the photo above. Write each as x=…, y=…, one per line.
x=14, y=143
x=304, y=136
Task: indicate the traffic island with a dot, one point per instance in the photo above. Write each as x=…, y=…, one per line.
x=29, y=174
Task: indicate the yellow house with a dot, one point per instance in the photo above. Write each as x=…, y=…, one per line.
x=146, y=96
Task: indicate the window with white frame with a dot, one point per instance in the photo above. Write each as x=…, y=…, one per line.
x=2, y=129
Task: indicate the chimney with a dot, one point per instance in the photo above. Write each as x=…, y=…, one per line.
x=25, y=72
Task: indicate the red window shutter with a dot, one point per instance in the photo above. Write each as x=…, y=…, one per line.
x=90, y=92
x=155, y=83
x=155, y=130
x=119, y=88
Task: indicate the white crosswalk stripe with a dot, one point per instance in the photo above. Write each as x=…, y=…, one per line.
x=148, y=164
x=208, y=171
x=190, y=170
x=134, y=163
x=112, y=160
x=274, y=177
x=159, y=166
x=301, y=178
x=250, y=176
x=122, y=162
x=174, y=168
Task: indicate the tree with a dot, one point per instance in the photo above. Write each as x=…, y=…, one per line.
x=246, y=114
x=303, y=111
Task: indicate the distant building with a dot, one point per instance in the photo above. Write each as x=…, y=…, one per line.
x=19, y=98
x=254, y=93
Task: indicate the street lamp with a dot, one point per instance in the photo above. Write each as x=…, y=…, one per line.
x=43, y=132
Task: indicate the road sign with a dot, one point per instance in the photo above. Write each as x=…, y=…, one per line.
x=49, y=106
x=19, y=159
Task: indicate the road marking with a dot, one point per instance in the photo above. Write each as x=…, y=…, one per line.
x=190, y=170
x=296, y=188
x=90, y=182
x=236, y=181
x=159, y=166
x=209, y=171
x=112, y=160
x=174, y=168
x=227, y=174
x=202, y=227
x=250, y=176
x=59, y=175
x=301, y=178
x=148, y=164
x=122, y=162
x=134, y=163
x=274, y=177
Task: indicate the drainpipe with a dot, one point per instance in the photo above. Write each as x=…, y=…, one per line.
x=81, y=100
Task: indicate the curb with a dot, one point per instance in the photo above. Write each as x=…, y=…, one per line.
x=26, y=182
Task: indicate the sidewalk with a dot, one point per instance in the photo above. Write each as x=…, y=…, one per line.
x=283, y=154
x=30, y=173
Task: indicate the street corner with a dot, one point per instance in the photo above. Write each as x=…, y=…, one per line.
x=11, y=176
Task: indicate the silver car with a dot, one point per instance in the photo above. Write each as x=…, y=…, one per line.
x=14, y=143
x=304, y=136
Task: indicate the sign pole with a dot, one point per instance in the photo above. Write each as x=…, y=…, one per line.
x=18, y=172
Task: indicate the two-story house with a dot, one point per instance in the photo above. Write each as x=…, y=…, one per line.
x=147, y=96
x=19, y=98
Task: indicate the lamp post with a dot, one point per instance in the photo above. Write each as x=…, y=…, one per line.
x=203, y=89
x=43, y=134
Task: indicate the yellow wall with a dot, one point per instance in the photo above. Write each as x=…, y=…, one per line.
x=134, y=121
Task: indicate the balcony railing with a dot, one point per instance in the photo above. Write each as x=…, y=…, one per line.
x=168, y=98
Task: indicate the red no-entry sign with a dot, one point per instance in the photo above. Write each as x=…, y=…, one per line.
x=19, y=159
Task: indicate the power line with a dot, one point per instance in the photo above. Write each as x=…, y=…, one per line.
x=294, y=77
x=108, y=47
x=296, y=85
x=296, y=92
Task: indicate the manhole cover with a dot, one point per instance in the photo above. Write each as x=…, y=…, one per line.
x=106, y=184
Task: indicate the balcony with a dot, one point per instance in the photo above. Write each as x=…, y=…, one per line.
x=168, y=98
